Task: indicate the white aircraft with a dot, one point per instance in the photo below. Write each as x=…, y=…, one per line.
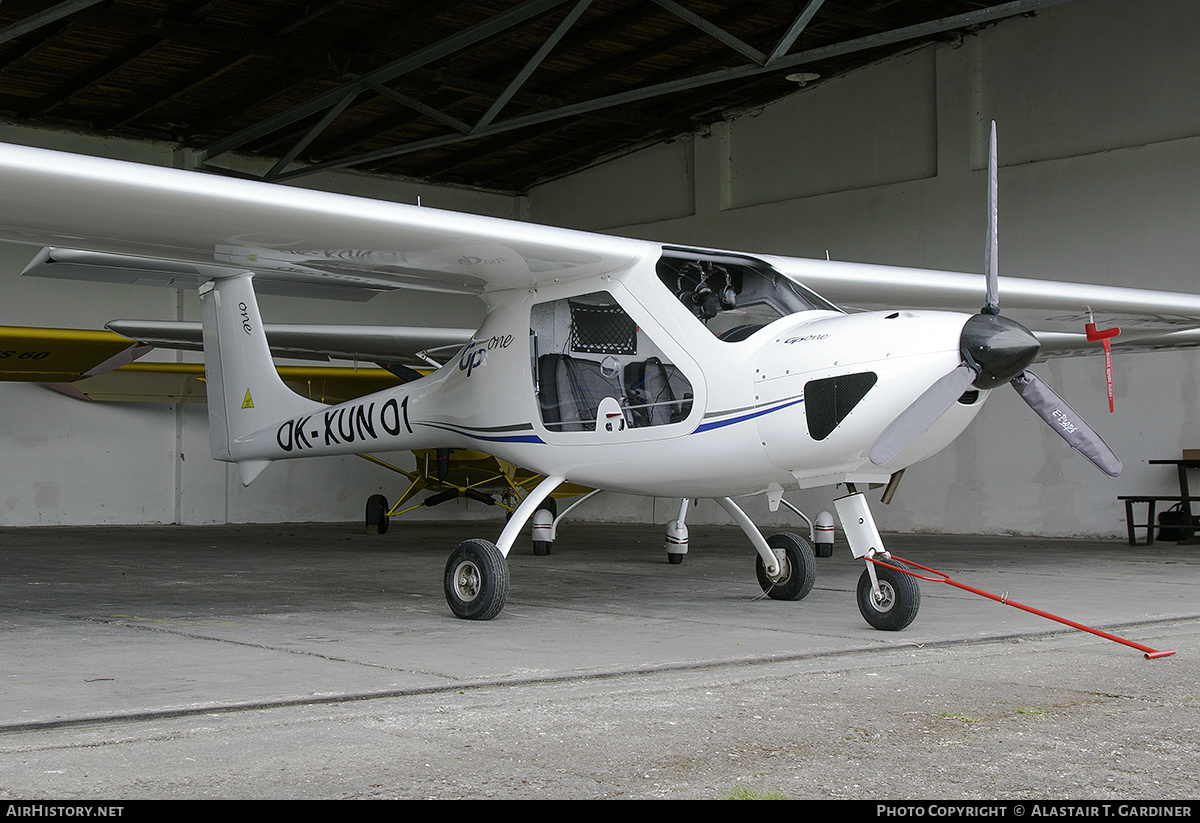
x=611, y=363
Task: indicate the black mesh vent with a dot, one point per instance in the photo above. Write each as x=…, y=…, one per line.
x=828, y=401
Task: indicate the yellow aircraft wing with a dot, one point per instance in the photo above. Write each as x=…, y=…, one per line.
x=62, y=355
x=98, y=365
x=184, y=383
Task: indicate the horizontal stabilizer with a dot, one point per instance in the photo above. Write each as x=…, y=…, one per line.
x=100, y=267
x=377, y=344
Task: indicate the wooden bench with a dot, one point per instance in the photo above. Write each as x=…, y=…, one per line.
x=1150, y=525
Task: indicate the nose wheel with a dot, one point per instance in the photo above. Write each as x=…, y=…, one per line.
x=895, y=604
x=888, y=598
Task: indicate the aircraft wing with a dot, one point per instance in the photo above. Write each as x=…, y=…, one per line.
x=858, y=286
x=99, y=365
x=1055, y=311
x=285, y=234
x=178, y=227
x=62, y=355
x=1064, y=344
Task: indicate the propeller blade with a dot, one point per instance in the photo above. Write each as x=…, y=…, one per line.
x=922, y=413
x=991, y=262
x=1069, y=425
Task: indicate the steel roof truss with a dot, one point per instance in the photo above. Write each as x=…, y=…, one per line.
x=725, y=37
x=886, y=38
x=445, y=47
x=532, y=65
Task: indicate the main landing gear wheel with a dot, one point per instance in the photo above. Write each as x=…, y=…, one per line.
x=476, y=580
x=377, y=514
x=900, y=597
x=798, y=567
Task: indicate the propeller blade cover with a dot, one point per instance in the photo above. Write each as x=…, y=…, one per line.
x=1069, y=425
x=921, y=414
x=991, y=263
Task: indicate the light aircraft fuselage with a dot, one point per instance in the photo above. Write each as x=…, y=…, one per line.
x=796, y=402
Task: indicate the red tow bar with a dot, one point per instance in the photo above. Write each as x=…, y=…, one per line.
x=942, y=577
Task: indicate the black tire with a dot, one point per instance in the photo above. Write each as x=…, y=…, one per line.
x=901, y=599
x=542, y=547
x=377, y=514
x=799, y=568
x=476, y=580
x=675, y=559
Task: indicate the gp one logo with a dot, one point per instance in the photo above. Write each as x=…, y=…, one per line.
x=246, y=327
x=475, y=354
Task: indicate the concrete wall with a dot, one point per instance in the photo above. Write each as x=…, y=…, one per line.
x=1100, y=182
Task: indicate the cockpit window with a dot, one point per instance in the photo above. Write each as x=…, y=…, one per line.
x=733, y=296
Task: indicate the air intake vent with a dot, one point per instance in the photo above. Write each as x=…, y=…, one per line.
x=828, y=401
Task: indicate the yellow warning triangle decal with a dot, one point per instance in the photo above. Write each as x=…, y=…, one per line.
x=247, y=403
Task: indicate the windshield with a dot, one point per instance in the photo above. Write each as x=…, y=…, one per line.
x=733, y=296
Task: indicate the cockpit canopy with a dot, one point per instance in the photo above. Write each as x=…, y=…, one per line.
x=733, y=295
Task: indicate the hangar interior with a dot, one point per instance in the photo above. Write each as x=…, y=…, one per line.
x=882, y=161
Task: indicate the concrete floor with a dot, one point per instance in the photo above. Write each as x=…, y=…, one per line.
x=314, y=661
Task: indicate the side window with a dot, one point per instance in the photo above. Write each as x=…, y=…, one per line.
x=595, y=371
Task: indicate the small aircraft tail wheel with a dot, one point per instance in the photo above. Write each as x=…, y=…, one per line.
x=798, y=567
x=476, y=580
x=896, y=607
x=377, y=514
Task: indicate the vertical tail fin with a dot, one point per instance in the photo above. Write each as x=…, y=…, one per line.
x=245, y=393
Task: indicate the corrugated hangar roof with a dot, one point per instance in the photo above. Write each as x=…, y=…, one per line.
x=499, y=94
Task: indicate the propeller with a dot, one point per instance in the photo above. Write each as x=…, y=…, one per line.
x=994, y=350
